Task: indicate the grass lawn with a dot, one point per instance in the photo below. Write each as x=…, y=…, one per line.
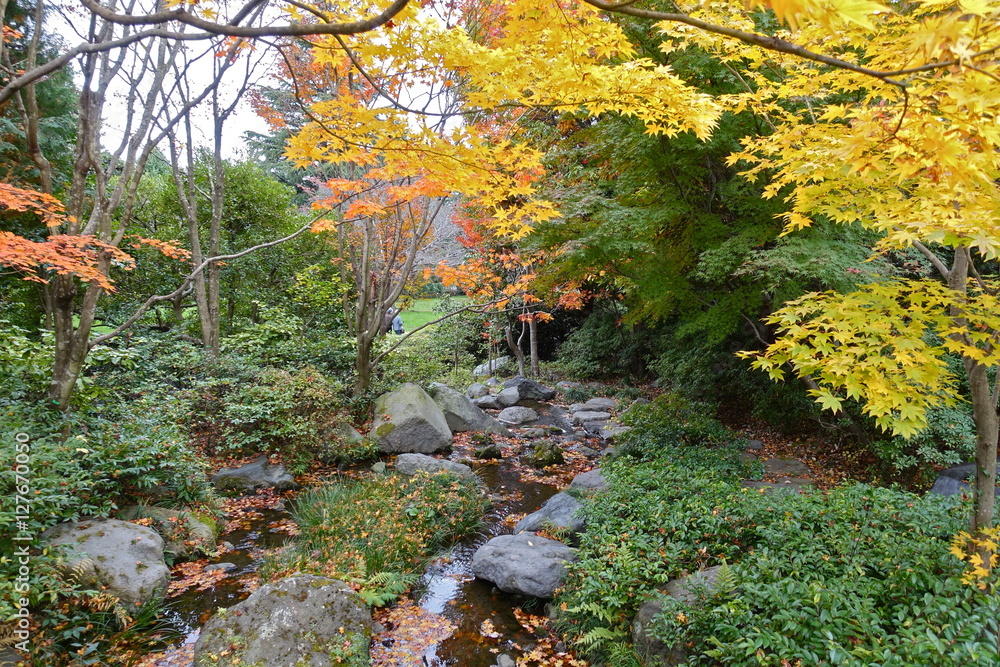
x=422, y=311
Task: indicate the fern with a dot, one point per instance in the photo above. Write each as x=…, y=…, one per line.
x=382, y=588
x=600, y=636
x=726, y=580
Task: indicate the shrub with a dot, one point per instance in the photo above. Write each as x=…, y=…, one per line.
x=669, y=421
x=605, y=346
x=380, y=531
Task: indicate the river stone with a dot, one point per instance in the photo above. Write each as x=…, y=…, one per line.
x=508, y=397
x=412, y=464
x=785, y=466
x=545, y=453
x=524, y=563
x=124, y=557
x=184, y=534
x=477, y=390
x=517, y=415
x=461, y=414
x=610, y=431
x=601, y=404
x=529, y=390
x=560, y=512
x=488, y=368
x=684, y=589
x=408, y=420
x=290, y=623
x=585, y=416
x=257, y=475
x=224, y=566
x=592, y=480
x=487, y=403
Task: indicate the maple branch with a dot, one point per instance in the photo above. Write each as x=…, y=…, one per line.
x=157, y=298
x=764, y=41
x=933, y=259
x=231, y=29
x=979, y=279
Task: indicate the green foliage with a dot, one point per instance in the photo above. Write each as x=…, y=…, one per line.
x=605, y=346
x=852, y=576
x=380, y=531
x=949, y=439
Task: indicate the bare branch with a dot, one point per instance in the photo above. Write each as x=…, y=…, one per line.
x=933, y=259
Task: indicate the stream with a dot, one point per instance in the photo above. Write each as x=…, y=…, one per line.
x=447, y=587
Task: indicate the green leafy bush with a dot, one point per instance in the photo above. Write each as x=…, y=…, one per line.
x=672, y=420
x=604, y=345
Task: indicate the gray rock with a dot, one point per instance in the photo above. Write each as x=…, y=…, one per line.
x=257, y=475
x=534, y=433
x=949, y=486
x=755, y=445
x=487, y=403
x=611, y=431
x=508, y=397
x=517, y=415
x=340, y=437
x=560, y=512
x=124, y=557
x=292, y=622
x=412, y=464
x=488, y=452
x=566, y=384
x=379, y=468
x=461, y=414
x=225, y=567
x=408, y=420
x=684, y=589
x=594, y=428
x=504, y=660
x=184, y=534
x=601, y=404
x=529, y=389
x=783, y=465
x=577, y=407
x=477, y=390
x=524, y=563
x=592, y=480
x=488, y=368
x=588, y=452
x=585, y=416
x=11, y=658
x=492, y=382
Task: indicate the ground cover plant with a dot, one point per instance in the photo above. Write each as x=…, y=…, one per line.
x=378, y=533
x=850, y=576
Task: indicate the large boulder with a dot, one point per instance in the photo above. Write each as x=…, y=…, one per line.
x=508, y=397
x=956, y=479
x=517, y=415
x=561, y=512
x=257, y=475
x=124, y=557
x=408, y=420
x=584, y=416
x=530, y=390
x=489, y=368
x=477, y=390
x=461, y=414
x=685, y=589
x=601, y=404
x=524, y=563
x=185, y=534
x=303, y=621
x=413, y=464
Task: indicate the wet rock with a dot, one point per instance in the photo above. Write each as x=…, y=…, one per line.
x=488, y=452
x=545, y=453
x=653, y=651
x=504, y=660
x=517, y=415
x=225, y=567
x=561, y=512
x=534, y=433
x=477, y=390
x=413, y=464
x=529, y=389
x=496, y=366
x=408, y=420
x=461, y=414
x=592, y=480
x=583, y=417
x=184, y=534
x=124, y=557
x=257, y=475
x=588, y=452
x=508, y=397
x=524, y=563
x=487, y=403
x=288, y=623
x=594, y=428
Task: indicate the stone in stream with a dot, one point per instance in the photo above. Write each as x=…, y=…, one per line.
x=257, y=475
x=561, y=512
x=517, y=415
x=126, y=558
x=412, y=464
x=529, y=390
x=545, y=453
x=601, y=404
x=225, y=567
x=292, y=622
x=460, y=412
x=685, y=589
x=408, y=420
x=184, y=533
x=525, y=564
x=583, y=417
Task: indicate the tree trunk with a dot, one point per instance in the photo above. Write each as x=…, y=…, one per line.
x=515, y=347
x=533, y=346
